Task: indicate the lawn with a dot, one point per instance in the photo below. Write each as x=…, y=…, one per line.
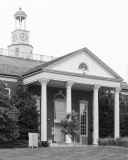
x=72, y=153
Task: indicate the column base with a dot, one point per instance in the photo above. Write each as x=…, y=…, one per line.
x=44, y=144
x=94, y=144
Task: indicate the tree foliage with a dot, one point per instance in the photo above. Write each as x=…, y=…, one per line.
x=70, y=125
x=8, y=117
x=124, y=115
x=106, y=114
x=28, y=114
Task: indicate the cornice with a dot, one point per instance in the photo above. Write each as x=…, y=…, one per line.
x=21, y=44
x=81, y=75
x=10, y=78
x=19, y=30
x=73, y=74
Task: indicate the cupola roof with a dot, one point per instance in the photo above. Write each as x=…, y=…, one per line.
x=20, y=13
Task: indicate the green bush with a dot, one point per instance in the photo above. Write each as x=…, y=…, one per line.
x=70, y=125
x=122, y=142
x=9, y=129
x=28, y=120
x=111, y=141
x=106, y=141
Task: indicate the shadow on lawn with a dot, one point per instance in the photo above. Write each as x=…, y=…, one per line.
x=14, y=144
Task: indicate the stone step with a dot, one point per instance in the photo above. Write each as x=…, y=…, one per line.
x=66, y=145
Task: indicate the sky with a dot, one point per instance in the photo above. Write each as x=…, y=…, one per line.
x=59, y=27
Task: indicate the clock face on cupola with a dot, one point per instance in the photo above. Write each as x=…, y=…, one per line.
x=23, y=37
x=20, y=36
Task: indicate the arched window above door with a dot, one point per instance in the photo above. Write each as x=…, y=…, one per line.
x=59, y=96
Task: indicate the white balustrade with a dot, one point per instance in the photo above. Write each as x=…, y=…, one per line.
x=32, y=56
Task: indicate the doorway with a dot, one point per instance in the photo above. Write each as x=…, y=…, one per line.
x=59, y=114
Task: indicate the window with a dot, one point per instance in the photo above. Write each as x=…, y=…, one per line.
x=38, y=102
x=17, y=50
x=83, y=117
x=59, y=106
x=59, y=96
x=83, y=120
x=8, y=91
x=83, y=66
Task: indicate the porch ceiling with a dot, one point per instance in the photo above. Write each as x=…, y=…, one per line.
x=78, y=86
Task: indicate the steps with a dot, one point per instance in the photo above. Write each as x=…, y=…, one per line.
x=66, y=145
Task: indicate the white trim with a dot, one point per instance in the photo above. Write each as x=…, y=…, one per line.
x=88, y=53
x=124, y=93
x=75, y=79
x=9, y=79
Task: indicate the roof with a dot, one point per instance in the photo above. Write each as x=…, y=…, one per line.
x=14, y=66
x=40, y=67
x=20, y=12
x=124, y=86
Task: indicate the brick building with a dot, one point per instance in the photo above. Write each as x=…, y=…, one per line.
x=70, y=82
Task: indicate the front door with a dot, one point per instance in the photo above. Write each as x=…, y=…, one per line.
x=58, y=135
x=59, y=114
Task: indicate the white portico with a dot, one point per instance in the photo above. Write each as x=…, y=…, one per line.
x=80, y=70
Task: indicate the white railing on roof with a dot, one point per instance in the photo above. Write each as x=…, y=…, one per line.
x=25, y=55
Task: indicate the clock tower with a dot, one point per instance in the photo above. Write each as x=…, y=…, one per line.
x=20, y=36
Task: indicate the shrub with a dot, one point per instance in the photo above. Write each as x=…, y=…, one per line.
x=111, y=141
x=8, y=118
x=122, y=142
x=106, y=141
x=70, y=125
x=27, y=108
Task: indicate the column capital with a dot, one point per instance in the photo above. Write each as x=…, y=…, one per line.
x=69, y=84
x=43, y=81
x=117, y=90
x=96, y=87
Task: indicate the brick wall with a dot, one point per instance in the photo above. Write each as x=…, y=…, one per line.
x=76, y=96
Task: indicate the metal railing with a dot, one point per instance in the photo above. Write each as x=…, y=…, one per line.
x=25, y=55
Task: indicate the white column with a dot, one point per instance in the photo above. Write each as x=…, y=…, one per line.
x=96, y=116
x=20, y=22
x=43, y=109
x=116, y=113
x=68, y=104
x=15, y=24
x=24, y=24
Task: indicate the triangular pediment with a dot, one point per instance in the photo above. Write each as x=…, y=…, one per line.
x=95, y=67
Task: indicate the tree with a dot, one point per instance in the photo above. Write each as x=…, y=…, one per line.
x=8, y=117
x=124, y=115
x=106, y=114
x=27, y=108
x=70, y=125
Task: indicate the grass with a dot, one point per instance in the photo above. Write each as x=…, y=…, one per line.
x=73, y=153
